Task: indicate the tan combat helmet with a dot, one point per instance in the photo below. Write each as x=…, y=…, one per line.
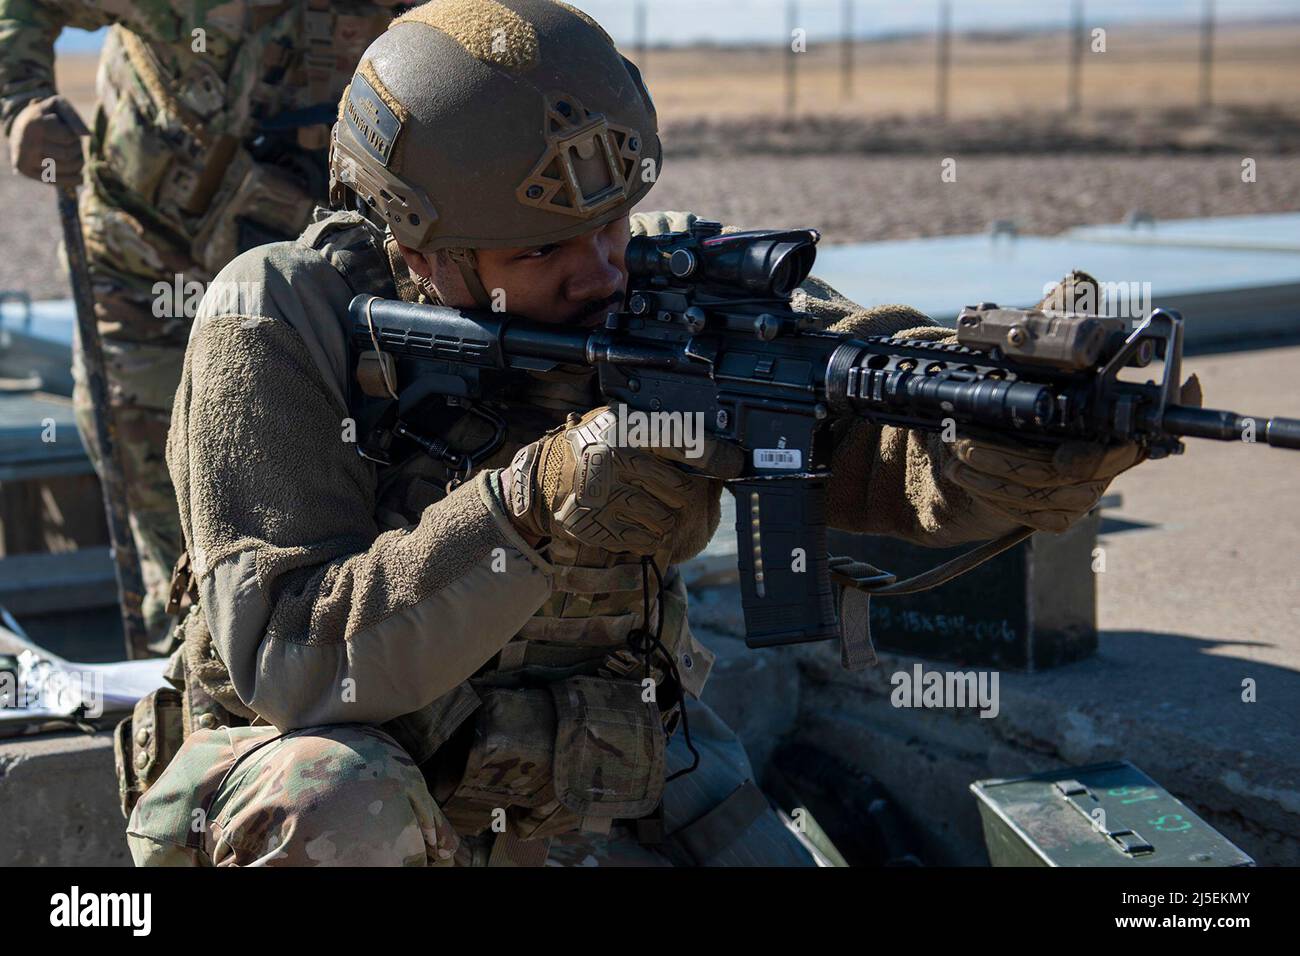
x=489, y=123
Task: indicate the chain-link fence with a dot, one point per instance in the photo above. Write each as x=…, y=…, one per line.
x=955, y=58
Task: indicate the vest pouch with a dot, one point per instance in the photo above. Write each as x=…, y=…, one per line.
x=128, y=787
x=694, y=661
x=131, y=140
x=560, y=757
x=609, y=750
x=510, y=754
x=256, y=201
x=423, y=732
x=145, y=742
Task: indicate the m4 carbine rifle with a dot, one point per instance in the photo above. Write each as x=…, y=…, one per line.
x=707, y=329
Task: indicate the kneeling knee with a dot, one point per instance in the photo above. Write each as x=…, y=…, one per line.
x=347, y=795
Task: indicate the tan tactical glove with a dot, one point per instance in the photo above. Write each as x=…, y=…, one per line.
x=578, y=482
x=887, y=481
x=44, y=129
x=1046, y=490
x=1043, y=488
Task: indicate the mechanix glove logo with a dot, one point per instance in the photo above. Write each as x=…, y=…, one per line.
x=591, y=467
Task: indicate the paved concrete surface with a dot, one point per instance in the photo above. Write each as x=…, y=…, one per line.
x=1214, y=553
x=1236, y=764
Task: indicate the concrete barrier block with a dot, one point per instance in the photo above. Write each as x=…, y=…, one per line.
x=58, y=802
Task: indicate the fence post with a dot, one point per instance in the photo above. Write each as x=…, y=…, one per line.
x=846, y=49
x=639, y=26
x=1075, y=96
x=1207, y=54
x=791, y=24
x=944, y=60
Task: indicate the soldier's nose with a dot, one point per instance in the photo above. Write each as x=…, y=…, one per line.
x=596, y=278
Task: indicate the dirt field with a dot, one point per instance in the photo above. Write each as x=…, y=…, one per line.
x=1143, y=66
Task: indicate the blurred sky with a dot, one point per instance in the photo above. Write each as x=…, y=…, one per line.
x=747, y=21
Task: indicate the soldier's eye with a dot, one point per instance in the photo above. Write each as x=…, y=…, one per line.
x=539, y=252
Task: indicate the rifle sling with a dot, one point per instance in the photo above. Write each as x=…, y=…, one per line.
x=943, y=573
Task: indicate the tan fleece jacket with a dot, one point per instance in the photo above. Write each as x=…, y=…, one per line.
x=319, y=616
x=322, y=615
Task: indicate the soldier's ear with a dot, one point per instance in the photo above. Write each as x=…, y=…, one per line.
x=417, y=262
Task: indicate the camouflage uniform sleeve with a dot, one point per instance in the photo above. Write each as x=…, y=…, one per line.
x=319, y=617
x=28, y=29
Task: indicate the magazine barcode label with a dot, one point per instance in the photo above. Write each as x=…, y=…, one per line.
x=778, y=458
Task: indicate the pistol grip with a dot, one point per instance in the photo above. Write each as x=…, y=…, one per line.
x=785, y=583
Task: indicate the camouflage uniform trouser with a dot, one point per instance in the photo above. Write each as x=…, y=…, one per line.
x=143, y=355
x=348, y=795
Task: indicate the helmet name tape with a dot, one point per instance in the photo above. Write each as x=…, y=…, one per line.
x=374, y=125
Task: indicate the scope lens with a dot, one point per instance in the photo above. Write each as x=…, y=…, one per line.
x=791, y=264
x=781, y=284
x=681, y=263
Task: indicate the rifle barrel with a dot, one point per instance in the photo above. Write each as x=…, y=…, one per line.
x=1229, y=426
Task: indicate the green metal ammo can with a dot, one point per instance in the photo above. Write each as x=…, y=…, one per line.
x=1108, y=814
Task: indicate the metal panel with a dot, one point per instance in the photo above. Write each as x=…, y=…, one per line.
x=1225, y=294
x=32, y=584
x=24, y=451
x=36, y=340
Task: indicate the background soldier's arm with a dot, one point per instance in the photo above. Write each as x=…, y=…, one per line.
x=28, y=29
x=319, y=616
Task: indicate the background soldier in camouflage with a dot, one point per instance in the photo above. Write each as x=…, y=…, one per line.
x=210, y=138
x=394, y=661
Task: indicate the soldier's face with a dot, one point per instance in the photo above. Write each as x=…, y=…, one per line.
x=574, y=281
x=570, y=282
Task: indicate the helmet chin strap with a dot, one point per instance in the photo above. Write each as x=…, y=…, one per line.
x=467, y=264
x=427, y=287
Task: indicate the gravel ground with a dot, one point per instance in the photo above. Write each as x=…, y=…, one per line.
x=864, y=198
x=851, y=198
x=30, y=238
x=1240, y=130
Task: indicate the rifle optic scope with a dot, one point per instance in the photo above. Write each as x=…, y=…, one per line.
x=765, y=263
